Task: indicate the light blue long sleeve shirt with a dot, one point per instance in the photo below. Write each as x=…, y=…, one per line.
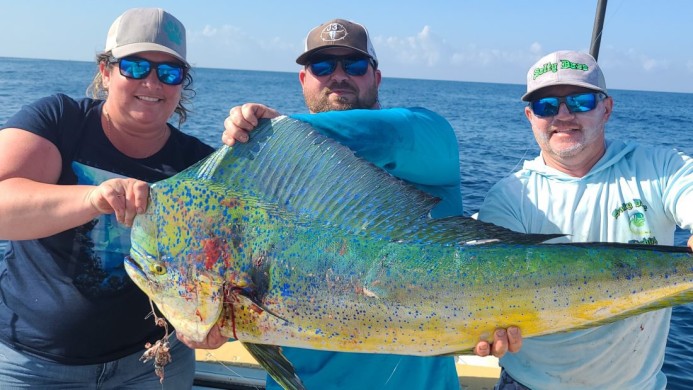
x=634, y=194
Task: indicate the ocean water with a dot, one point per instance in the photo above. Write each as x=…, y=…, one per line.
x=494, y=136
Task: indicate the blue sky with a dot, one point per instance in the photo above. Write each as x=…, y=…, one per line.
x=646, y=45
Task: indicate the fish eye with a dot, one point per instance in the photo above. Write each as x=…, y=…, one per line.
x=157, y=269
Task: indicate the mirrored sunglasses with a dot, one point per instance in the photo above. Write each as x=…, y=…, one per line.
x=582, y=102
x=170, y=73
x=351, y=66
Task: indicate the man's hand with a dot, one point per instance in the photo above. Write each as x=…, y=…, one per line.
x=243, y=119
x=213, y=340
x=503, y=341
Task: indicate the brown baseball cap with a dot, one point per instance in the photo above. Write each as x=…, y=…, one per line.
x=338, y=33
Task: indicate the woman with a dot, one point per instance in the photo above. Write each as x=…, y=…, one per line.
x=73, y=175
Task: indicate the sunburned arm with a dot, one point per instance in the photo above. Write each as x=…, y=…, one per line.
x=33, y=206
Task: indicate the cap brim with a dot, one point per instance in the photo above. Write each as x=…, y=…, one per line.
x=303, y=58
x=529, y=95
x=134, y=48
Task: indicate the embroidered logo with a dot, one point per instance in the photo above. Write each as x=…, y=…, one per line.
x=333, y=32
x=635, y=204
x=554, y=67
x=637, y=223
x=635, y=211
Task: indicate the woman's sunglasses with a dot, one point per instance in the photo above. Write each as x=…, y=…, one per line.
x=581, y=102
x=352, y=66
x=170, y=73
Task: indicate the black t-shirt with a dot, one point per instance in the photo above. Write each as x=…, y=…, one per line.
x=67, y=297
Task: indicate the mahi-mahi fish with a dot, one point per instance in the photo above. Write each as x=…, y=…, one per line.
x=291, y=240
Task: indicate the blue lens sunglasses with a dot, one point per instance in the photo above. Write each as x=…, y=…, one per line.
x=169, y=73
x=581, y=102
x=353, y=66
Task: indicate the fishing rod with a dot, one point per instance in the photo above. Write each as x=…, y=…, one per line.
x=597, y=30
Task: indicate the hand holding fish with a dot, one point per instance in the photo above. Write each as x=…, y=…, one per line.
x=504, y=340
x=243, y=119
x=123, y=196
x=213, y=340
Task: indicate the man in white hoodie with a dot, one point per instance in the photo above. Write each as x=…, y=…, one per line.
x=591, y=189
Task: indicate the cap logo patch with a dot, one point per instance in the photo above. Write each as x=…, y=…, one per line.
x=553, y=67
x=333, y=32
x=173, y=32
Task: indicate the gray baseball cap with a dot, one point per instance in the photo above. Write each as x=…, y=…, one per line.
x=338, y=33
x=146, y=29
x=564, y=68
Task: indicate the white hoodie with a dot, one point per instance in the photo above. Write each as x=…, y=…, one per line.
x=634, y=194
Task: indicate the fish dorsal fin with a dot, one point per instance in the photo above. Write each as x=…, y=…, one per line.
x=290, y=164
x=464, y=230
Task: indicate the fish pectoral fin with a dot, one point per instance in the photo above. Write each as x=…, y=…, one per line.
x=259, y=307
x=276, y=364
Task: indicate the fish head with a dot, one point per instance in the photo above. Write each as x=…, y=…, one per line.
x=180, y=254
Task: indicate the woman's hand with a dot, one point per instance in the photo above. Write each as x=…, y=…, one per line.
x=123, y=196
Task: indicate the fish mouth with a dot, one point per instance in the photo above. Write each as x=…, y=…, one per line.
x=130, y=261
x=135, y=271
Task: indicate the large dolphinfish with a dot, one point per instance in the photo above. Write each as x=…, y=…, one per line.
x=292, y=240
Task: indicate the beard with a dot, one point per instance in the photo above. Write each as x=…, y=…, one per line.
x=588, y=137
x=322, y=103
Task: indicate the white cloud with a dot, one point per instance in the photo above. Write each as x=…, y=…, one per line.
x=626, y=59
x=228, y=46
x=424, y=48
x=636, y=69
x=535, y=48
x=209, y=31
x=428, y=55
